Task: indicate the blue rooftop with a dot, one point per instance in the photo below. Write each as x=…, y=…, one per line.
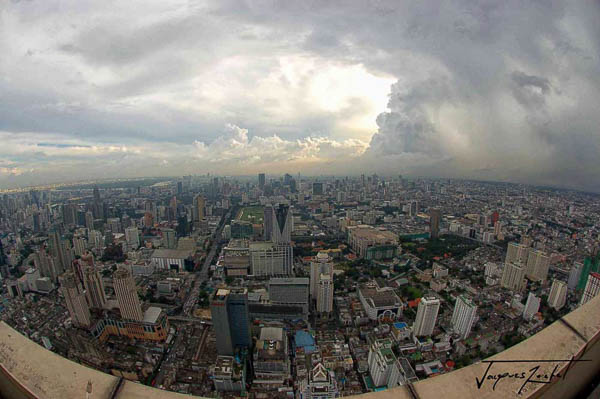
x=400, y=325
x=304, y=339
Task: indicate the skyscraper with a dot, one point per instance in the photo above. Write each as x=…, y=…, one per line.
x=57, y=250
x=325, y=294
x=169, y=240
x=592, y=288
x=435, y=218
x=199, y=204
x=574, y=275
x=94, y=287
x=261, y=180
x=268, y=222
x=321, y=264
x=127, y=296
x=231, y=320
x=283, y=224
x=426, y=316
x=558, y=294
x=463, y=316
x=513, y=277
x=516, y=253
x=531, y=306
x=317, y=188
x=538, y=264
x=75, y=299
x=132, y=236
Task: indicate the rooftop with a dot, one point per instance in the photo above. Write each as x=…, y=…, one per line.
x=151, y=314
x=171, y=253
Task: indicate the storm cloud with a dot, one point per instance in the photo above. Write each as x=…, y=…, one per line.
x=489, y=90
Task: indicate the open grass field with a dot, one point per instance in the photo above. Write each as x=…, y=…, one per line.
x=253, y=214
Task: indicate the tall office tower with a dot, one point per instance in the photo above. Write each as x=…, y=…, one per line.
x=75, y=299
x=592, y=288
x=426, y=316
x=268, y=222
x=317, y=188
x=513, y=277
x=132, y=236
x=283, y=224
x=413, y=208
x=57, y=250
x=261, y=181
x=538, y=264
x=435, y=218
x=319, y=384
x=463, y=316
x=96, y=194
x=127, y=295
x=558, y=294
x=94, y=287
x=531, y=306
x=231, y=320
x=321, y=264
x=290, y=291
x=590, y=264
x=169, y=240
x=325, y=294
x=79, y=245
x=199, y=204
x=516, y=253
x=574, y=275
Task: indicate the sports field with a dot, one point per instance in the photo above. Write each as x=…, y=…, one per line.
x=253, y=214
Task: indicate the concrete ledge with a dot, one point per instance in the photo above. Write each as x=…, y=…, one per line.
x=28, y=370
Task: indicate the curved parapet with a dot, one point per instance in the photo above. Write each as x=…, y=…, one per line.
x=558, y=362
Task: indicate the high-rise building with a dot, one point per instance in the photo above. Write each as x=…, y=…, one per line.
x=531, y=306
x=385, y=369
x=89, y=220
x=317, y=188
x=325, y=294
x=592, y=288
x=426, y=316
x=538, y=264
x=261, y=180
x=57, y=249
x=413, y=208
x=435, y=218
x=321, y=264
x=574, y=275
x=283, y=224
x=199, y=204
x=94, y=288
x=127, y=295
x=558, y=294
x=516, y=253
x=230, y=318
x=464, y=316
x=75, y=299
x=268, y=222
x=169, y=240
x=513, y=277
x=79, y=245
x=590, y=264
x=132, y=236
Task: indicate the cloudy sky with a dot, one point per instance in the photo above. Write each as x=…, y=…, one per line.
x=492, y=90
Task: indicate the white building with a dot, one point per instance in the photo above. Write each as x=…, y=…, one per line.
x=464, y=316
x=325, y=294
x=558, y=294
x=320, y=384
x=426, y=316
x=513, y=277
x=321, y=264
x=380, y=303
x=531, y=306
x=165, y=259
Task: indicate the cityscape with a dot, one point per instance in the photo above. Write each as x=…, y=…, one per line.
x=292, y=286
x=267, y=199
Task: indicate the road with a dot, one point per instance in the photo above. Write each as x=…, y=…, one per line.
x=202, y=275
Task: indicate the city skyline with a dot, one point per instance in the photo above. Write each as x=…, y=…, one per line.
x=89, y=92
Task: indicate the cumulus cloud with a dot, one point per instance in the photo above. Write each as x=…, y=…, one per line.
x=485, y=89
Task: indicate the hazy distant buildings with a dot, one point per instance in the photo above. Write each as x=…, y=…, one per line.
x=132, y=237
x=261, y=181
x=426, y=316
x=435, y=219
x=127, y=296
